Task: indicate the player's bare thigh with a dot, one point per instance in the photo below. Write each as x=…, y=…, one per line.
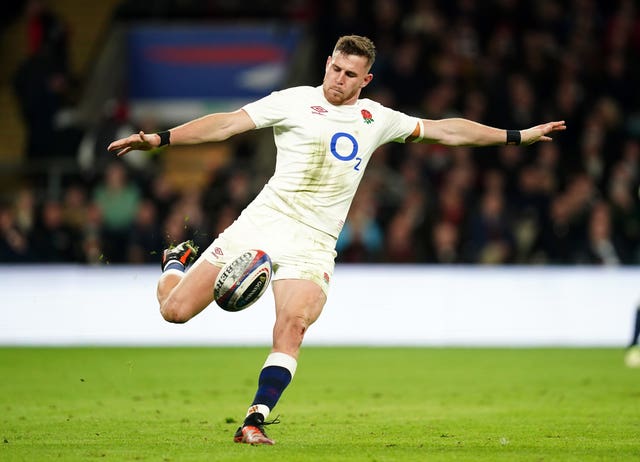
x=183, y=297
x=299, y=303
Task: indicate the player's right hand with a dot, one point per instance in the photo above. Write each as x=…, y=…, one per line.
x=136, y=142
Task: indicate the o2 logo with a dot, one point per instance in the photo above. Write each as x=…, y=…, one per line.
x=344, y=147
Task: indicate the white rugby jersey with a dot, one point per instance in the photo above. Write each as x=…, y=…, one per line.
x=322, y=151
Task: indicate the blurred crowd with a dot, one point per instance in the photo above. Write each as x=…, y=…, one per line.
x=511, y=64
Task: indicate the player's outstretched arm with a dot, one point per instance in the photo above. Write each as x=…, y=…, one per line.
x=212, y=127
x=463, y=132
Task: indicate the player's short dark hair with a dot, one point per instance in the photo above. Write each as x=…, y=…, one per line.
x=357, y=45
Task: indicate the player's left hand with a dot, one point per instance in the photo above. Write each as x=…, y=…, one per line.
x=539, y=132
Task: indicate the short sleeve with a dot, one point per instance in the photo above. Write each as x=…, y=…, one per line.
x=398, y=126
x=268, y=111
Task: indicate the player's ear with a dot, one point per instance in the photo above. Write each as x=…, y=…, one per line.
x=326, y=66
x=368, y=78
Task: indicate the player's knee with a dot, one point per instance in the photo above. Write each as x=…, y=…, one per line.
x=296, y=325
x=174, y=312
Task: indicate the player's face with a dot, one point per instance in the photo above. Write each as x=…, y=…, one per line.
x=344, y=77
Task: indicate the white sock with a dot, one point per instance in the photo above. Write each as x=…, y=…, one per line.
x=283, y=360
x=261, y=408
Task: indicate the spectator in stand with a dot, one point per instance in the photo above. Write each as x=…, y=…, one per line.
x=75, y=207
x=164, y=194
x=491, y=239
x=45, y=29
x=361, y=238
x=53, y=241
x=560, y=238
x=451, y=206
x=603, y=246
x=582, y=194
x=39, y=89
x=225, y=216
x=529, y=213
x=14, y=244
x=24, y=210
x=230, y=185
x=92, y=237
x=625, y=209
x=42, y=81
x=175, y=228
x=444, y=246
x=145, y=237
x=190, y=206
x=522, y=100
x=239, y=190
x=118, y=199
x=401, y=241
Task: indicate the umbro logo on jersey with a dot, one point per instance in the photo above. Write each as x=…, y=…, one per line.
x=319, y=110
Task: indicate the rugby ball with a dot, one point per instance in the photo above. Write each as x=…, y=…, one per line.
x=242, y=280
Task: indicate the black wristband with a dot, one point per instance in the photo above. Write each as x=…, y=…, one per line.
x=513, y=137
x=165, y=137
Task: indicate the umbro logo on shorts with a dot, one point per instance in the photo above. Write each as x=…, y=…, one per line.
x=217, y=252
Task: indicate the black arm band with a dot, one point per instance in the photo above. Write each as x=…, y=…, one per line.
x=165, y=137
x=513, y=137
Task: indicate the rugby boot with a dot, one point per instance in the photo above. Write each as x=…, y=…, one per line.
x=252, y=430
x=185, y=253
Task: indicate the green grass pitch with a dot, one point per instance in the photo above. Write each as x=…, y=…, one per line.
x=345, y=404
